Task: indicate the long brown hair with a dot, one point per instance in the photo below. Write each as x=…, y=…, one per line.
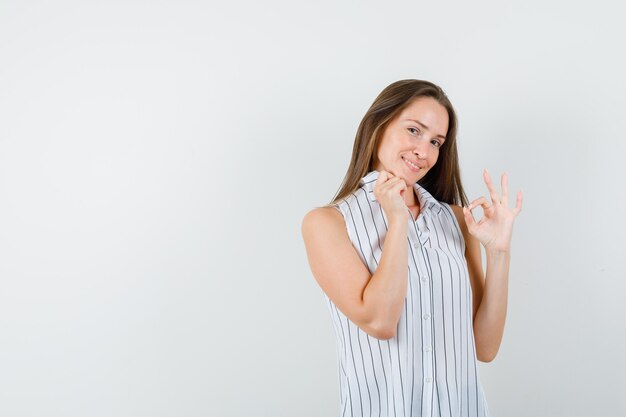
x=443, y=180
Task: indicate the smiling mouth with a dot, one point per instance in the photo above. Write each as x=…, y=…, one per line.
x=411, y=165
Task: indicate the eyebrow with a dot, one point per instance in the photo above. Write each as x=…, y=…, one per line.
x=425, y=127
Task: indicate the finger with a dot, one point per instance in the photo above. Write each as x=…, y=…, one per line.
x=393, y=181
x=393, y=184
x=481, y=201
x=495, y=198
x=505, y=189
x=469, y=218
x=398, y=182
x=382, y=177
x=398, y=188
x=518, y=203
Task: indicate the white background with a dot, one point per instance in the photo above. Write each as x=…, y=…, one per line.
x=157, y=157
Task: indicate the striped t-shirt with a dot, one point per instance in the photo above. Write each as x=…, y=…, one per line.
x=429, y=368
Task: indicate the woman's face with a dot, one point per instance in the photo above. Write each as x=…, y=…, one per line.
x=413, y=137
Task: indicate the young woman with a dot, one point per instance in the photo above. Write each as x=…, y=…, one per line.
x=399, y=262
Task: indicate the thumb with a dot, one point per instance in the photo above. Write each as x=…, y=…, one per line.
x=469, y=218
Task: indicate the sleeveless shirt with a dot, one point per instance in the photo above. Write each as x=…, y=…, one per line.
x=429, y=367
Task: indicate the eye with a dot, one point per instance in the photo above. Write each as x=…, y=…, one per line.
x=434, y=141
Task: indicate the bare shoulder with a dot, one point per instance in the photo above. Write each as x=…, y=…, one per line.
x=324, y=233
x=456, y=209
x=460, y=217
x=323, y=220
x=336, y=265
x=474, y=259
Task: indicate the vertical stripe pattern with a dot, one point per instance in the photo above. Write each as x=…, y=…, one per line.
x=429, y=368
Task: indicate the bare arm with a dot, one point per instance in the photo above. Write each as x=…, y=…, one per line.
x=489, y=299
x=491, y=314
x=372, y=301
x=494, y=232
x=385, y=292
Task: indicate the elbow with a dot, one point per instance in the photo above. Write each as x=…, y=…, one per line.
x=379, y=325
x=486, y=357
x=385, y=334
x=382, y=331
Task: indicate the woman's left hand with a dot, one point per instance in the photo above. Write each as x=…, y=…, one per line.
x=495, y=229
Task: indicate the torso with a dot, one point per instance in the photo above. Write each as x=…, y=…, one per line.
x=435, y=332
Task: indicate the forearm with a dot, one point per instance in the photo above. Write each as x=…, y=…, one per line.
x=491, y=314
x=384, y=294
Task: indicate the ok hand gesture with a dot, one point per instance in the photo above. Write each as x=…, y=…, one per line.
x=495, y=229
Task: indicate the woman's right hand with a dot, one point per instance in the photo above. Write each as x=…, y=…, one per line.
x=389, y=191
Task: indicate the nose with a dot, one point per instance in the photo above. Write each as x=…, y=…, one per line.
x=421, y=148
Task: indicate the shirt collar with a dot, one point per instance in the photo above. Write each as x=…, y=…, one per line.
x=424, y=197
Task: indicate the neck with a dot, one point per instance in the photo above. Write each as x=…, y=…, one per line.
x=410, y=199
